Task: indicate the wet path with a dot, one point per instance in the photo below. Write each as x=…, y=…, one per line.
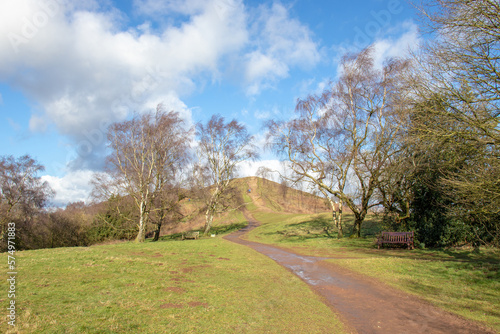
x=367, y=306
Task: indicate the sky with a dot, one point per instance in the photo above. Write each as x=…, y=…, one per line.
x=68, y=69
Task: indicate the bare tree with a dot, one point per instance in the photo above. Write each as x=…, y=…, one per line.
x=307, y=143
x=265, y=173
x=173, y=154
x=166, y=205
x=342, y=139
x=222, y=146
x=23, y=194
x=147, y=152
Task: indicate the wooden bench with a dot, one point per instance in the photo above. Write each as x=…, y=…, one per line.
x=405, y=238
x=190, y=235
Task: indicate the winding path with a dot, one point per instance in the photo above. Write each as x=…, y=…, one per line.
x=364, y=304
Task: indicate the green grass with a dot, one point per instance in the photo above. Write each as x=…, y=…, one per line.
x=464, y=283
x=205, y=286
x=460, y=281
x=228, y=224
x=306, y=233
x=250, y=204
x=214, y=286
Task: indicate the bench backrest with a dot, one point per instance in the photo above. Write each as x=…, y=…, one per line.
x=397, y=236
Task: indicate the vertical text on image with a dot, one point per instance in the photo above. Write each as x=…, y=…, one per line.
x=11, y=274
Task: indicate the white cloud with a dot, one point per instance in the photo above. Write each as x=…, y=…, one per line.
x=282, y=43
x=312, y=86
x=81, y=68
x=397, y=47
x=38, y=123
x=322, y=85
x=261, y=66
x=73, y=187
x=158, y=9
x=262, y=114
x=250, y=168
x=393, y=42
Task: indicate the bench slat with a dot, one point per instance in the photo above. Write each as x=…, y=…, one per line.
x=396, y=238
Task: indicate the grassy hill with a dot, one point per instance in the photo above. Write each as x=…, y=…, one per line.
x=273, y=197
x=256, y=194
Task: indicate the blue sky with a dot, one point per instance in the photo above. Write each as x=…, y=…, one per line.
x=68, y=70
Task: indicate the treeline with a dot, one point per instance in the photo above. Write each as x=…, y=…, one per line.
x=24, y=201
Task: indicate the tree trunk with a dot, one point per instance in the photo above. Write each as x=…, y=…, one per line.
x=339, y=219
x=209, y=214
x=161, y=218
x=336, y=218
x=141, y=236
x=156, y=235
x=212, y=208
x=356, y=228
x=4, y=236
x=209, y=217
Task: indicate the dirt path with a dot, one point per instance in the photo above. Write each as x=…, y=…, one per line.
x=365, y=305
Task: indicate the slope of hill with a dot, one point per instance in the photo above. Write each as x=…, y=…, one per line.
x=271, y=196
x=256, y=193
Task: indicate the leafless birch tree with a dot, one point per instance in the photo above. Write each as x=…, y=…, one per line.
x=342, y=139
x=222, y=146
x=147, y=153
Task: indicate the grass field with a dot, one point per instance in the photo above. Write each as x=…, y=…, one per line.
x=206, y=286
x=214, y=286
x=460, y=281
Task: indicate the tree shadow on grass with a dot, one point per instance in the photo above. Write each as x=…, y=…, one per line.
x=314, y=229
x=303, y=231
x=226, y=229
x=323, y=227
x=220, y=229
